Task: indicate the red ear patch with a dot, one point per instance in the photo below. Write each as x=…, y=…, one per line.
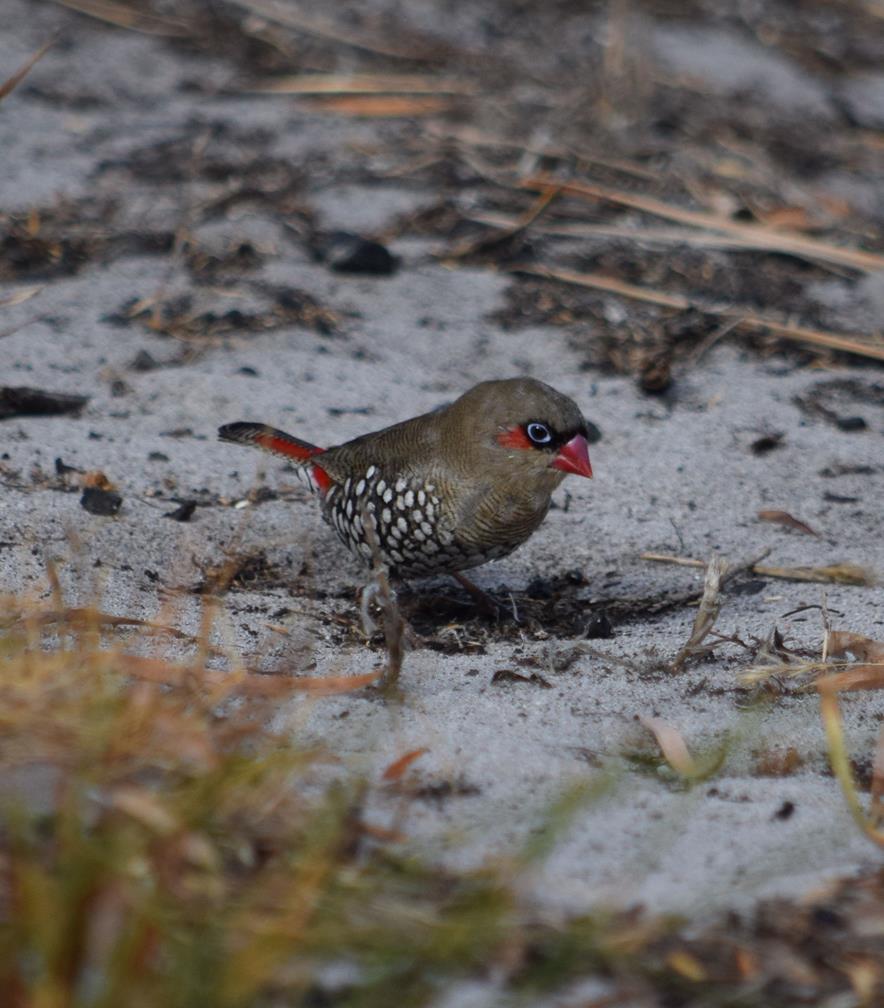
x=515, y=437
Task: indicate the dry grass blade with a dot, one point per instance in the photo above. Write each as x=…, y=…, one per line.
x=123, y=16
x=11, y=83
x=668, y=558
x=87, y=617
x=876, y=803
x=382, y=106
x=705, y=619
x=672, y=745
x=830, y=711
x=743, y=319
x=356, y=84
x=398, y=767
x=284, y=15
x=638, y=235
x=770, y=239
x=839, y=573
x=605, y=283
x=785, y=519
x=518, y=225
x=756, y=674
x=19, y=296
x=813, y=337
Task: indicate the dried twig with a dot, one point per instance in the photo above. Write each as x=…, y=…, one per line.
x=707, y=614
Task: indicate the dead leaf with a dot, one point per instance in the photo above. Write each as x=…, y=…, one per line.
x=784, y=518
x=858, y=677
x=398, y=767
x=672, y=745
x=842, y=642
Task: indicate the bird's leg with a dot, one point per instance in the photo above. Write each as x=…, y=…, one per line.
x=484, y=602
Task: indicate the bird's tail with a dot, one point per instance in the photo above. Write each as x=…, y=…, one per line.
x=270, y=439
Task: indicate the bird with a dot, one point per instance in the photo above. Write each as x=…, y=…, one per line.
x=448, y=490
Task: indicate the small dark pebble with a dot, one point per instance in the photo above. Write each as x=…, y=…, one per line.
x=655, y=377
x=593, y=433
x=827, y=917
x=344, y=411
x=183, y=513
x=766, y=443
x=63, y=469
x=119, y=388
x=157, y=456
x=508, y=675
x=21, y=401
x=143, y=361
x=839, y=499
x=539, y=588
x=100, y=502
x=249, y=372
x=850, y=423
x=838, y=470
x=785, y=810
x=351, y=253
x=599, y=627
x=263, y=494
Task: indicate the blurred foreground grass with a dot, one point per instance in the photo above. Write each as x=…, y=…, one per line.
x=160, y=847
x=156, y=851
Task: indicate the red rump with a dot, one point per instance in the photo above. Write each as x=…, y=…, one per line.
x=284, y=444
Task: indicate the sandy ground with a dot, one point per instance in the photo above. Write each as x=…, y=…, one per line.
x=674, y=475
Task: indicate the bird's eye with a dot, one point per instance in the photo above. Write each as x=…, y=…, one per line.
x=539, y=433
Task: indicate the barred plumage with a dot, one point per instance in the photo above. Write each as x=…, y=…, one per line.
x=448, y=490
